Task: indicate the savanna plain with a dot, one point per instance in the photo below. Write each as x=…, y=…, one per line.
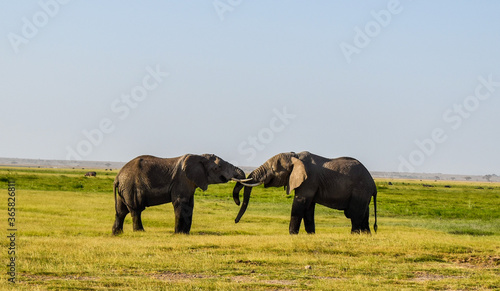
x=444, y=236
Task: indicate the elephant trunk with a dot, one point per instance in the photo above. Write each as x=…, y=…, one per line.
x=246, y=199
x=257, y=176
x=236, y=193
x=240, y=175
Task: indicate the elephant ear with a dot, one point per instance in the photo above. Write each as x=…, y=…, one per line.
x=297, y=176
x=195, y=171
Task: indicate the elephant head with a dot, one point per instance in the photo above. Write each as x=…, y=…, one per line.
x=282, y=170
x=210, y=169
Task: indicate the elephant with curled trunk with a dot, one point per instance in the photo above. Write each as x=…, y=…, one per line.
x=148, y=181
x=342, y=183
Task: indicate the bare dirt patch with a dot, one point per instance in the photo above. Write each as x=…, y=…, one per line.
x=424, y=276
x=175, y=277
x=251, y=279
x=476, y=261
x=179, y=277
x=52, y=277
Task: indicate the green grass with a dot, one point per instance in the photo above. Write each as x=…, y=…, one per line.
x=435, y=238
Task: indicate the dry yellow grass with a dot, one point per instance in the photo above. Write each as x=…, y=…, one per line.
x=65, y=242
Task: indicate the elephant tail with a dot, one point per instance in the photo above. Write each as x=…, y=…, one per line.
x=375, y=210
x=115, y=185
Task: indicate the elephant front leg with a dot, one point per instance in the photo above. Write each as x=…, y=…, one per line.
x=309, y=219
x=298, y=212
x=183, y=209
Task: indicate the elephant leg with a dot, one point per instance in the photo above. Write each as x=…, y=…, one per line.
x=309, y=219
x=299, y=207
x=355, y=224
x=357, y=211
x=183, y=209
x=365, y=226
x=136, y=220
x=189, y=215
x=121, y=213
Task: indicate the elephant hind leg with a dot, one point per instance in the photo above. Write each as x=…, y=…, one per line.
x=357, y=227
x=365, y=222
x=358, y=212
x=136, y=220
x=121, y=213
x=347, y=213
x=360, y=223
x=136, y=208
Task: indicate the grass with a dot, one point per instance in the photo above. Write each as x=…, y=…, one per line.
x=429, y=238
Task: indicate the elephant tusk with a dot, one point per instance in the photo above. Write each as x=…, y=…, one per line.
x=252, y=185
x=241, y=180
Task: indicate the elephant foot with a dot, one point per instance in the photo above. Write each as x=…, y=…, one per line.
x=117, y=232
x=361, y=231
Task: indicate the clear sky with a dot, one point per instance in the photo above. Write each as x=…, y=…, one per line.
x=400, y=85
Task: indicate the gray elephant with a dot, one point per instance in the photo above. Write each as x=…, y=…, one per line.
x=148, y=181
x=342, y=183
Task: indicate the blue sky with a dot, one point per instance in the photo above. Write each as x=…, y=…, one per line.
x=400, y=85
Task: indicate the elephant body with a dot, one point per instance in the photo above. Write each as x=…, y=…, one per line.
x=341, y=183
x=148, y=181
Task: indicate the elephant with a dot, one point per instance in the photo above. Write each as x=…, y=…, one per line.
x=341, y=183
x=148, y=181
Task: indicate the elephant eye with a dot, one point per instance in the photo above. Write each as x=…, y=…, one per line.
x=276, y=168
